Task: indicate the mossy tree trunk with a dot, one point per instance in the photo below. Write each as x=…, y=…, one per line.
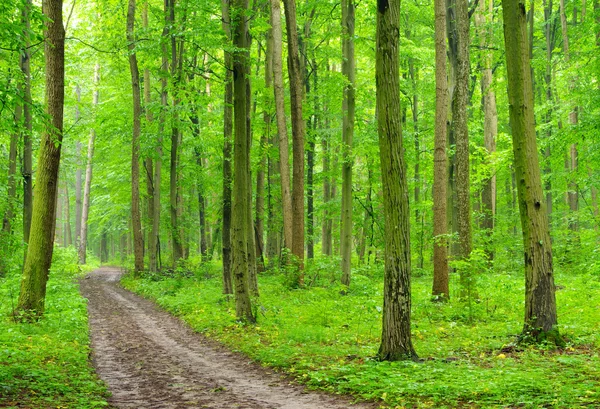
x=540, y=302
x=396, y=341
x=39, y=251
x=136, y=219
x=240, y=212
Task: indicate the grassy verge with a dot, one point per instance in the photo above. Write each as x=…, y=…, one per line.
x=45, y=364
x=327, y=341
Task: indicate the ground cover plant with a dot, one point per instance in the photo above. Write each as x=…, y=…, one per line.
x=46, y=364
x=468, y=358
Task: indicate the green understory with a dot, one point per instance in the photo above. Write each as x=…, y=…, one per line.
x=328, y=341
x=46, y=364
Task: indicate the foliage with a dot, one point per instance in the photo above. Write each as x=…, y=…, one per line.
x=469, y=359
x=46, y=364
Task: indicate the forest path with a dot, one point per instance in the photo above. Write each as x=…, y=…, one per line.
x=149, y=359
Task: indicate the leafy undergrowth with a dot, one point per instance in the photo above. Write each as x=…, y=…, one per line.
x=328, y=341
x=45, y=364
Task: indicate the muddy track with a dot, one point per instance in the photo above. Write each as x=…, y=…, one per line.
x=149, y=359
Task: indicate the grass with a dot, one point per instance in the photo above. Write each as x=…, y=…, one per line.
x=46, y=364
x=328, y=341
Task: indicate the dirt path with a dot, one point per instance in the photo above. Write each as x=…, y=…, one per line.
x=149, y=359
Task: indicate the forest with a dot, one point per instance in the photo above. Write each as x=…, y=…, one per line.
x=394, y=202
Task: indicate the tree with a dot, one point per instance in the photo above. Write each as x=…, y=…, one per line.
x=540, y=302
x=396, y=341
x=136, y=219
x=349, y=71
x=241, y=156
x=85, y=208
x=298, y=130
x=279, y=93
x=440, y=175
x=39, y=252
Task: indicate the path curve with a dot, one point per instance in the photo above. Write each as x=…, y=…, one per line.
x=149, y=359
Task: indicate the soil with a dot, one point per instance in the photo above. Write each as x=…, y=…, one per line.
x=149, y=359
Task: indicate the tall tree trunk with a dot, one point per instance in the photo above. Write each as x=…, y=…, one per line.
x=175, y=136
x=78, y=181
x=540, y=302
x=227, y=156
x=490, y=125
x=349, y=72
x=549, y=32
x=148, y=162
x=39, y=250
x=461, y=134
x=251, y=246
x=27, y=125
x=85, y=209
x=138, y=245
x=12, y=171
x=279, y=95
x=67, y=209
x=240, y=213
x=296, y=96
x=396, y=341
x=440, y=170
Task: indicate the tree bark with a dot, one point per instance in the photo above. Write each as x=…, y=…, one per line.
x=227, y=155
x=12, y=171
x=298, y=131
x=279, y=95
x=461, y=134
x=348, y=108
x=240, y=212
x=138, y=245
x=440, y=171
x=78, y=181
x=27, y=125
x=540, y=302
x=85, y=209
x=39, y=250
x=396, y=341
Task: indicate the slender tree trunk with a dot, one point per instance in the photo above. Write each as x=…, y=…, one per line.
x=67, y=227
x=251, y=245
x=78, y=181
x=39, y=250
x=310, y=161
x=440, y=171
x=12, y=171
x=148, y=162
x=396, y=341
x=138, y=245
x=279, y=95
x=540, y=302
x=227, y=156
x=349, y=72
x=298, y=131
x=27, y=125
x=549, y=32
x=459, y=123
x=240, y=213
x=490, y=125
x=85, y=209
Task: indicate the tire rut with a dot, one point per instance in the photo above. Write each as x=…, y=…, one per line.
x=150, y=359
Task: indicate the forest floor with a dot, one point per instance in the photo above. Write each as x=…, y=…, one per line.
x=149, y=359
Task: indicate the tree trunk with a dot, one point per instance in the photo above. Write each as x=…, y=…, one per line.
x=240, y=212
x=27, y=125
x=78, y=184
x=148, y=162
x=461, y=134
x=227, y=156
x=490, y=124
x=39, y=250
x=440, y=171
x=348, y=105
x=549, y=32
x=138, y=245
x=296, y=96
x=12, y=172
x=279, y=95
x=540, y=302
x=67, y=221
x=396, y=341
x=85, y=209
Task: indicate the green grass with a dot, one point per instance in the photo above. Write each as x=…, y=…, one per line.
x=328, y=341
x=46, y=364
